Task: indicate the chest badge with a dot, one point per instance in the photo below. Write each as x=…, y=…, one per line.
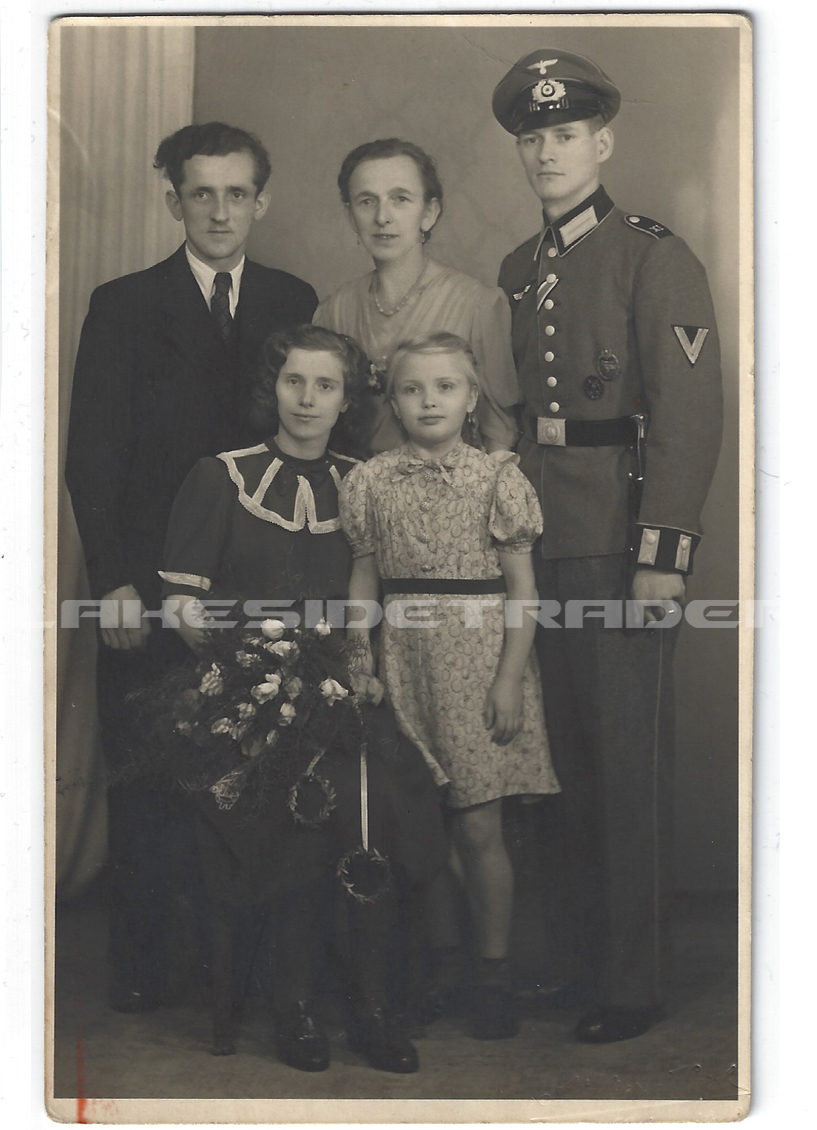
x=691, y=339
x=593, y=388
x=608, y=365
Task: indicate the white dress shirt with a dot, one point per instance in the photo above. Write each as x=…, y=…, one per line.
x=206, y=278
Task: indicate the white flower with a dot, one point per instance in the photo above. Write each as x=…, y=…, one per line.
x=246, y=710
x=245, y=659
x=238, y=730
x=212, y=683
x=184, y=727
x=222, y=726
x=268, y=689
x=273, y=629
x=283, y=648
x=272, y=737
x=322, y=628
x=286, y=714
x=293, y=687
x=332, y=691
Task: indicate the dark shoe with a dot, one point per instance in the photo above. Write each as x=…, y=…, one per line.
x=494, y=1014
x=124, y=998
x=382, y=1039
x=609, y=1025
x=301, y=1041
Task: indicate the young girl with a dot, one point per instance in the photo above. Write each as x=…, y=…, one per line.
x=437, y=522
x=262, y=523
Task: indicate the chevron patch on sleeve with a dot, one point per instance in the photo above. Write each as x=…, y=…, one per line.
x=692, y=340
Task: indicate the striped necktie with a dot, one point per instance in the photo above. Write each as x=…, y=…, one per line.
x=220, y=306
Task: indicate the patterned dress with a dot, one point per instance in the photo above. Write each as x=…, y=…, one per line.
x=446, y=520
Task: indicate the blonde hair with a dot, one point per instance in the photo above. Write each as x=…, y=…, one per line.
x=434, y=343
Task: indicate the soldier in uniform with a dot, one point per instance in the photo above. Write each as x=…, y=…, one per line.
x=618, y=360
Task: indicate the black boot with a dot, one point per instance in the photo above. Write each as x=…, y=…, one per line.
x=301, y=1040
x=382, y=1039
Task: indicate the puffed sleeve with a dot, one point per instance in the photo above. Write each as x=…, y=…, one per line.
x=197, y=530
x=356, y=515
x=515, y=519
x=491, y=343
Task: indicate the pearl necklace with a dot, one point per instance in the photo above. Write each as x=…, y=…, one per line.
x=403, y=300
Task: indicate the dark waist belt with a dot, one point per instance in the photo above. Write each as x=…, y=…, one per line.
x=410, y=585
x=552, y=432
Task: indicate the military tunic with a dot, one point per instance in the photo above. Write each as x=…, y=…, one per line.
x=625, y=325
x=613, y=319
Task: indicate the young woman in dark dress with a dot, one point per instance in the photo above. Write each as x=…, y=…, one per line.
x=262, y=524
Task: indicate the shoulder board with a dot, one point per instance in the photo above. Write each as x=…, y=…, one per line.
x=648, y=226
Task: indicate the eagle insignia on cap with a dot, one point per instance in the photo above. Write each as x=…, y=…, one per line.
x=541, y=65
x=548, y=90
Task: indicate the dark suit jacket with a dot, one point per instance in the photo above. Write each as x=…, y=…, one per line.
x=155, y=389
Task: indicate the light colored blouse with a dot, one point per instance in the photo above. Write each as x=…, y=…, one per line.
x=447, y=301
x=445, y=518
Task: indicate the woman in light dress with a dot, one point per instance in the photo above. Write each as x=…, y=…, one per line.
x=393, y=199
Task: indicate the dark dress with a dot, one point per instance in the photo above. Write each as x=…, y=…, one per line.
x=260, y=525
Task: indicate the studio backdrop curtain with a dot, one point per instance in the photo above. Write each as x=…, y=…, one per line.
x=120, y=90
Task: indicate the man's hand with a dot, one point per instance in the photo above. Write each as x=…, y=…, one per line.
x=122, y=638
x=653, y=585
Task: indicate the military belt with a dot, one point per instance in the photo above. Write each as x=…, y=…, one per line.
x=553, y=432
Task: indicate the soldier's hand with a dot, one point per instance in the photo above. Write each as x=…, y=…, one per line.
x=651, y=586
x=127, y=634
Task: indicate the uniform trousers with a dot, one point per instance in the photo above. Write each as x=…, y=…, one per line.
x=609, y=707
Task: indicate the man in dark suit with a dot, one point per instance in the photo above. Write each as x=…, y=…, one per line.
x=162, y=378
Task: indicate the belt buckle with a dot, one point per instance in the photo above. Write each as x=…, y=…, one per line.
x=550, y=432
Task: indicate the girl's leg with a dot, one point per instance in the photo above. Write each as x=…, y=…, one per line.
x=378, y=1031
x=489, y=887
x=297, y=945
x=488, y=875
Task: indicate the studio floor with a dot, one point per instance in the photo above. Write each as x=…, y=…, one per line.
x=691, y=1055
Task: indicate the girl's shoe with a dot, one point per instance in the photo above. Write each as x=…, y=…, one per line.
x=383, y=1041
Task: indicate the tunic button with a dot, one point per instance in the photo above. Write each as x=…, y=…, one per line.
x=554, y=407
x=548, y=356
x=552, y=253
x=426, y=568
x=550, y=330
x=552, y=382
x=684, y=542
x=649, y=537
x=425, y=507
x=550, y=278
x=548, y=303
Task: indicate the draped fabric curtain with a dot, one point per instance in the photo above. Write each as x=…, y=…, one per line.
x=119, y=91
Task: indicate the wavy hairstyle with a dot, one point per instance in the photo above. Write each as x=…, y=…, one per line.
x=348, y=437
x=384, y=148
x=212, y=139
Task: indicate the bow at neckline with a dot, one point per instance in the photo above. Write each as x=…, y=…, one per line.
x=410, y=462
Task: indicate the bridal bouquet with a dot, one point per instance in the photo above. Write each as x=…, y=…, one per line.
x=262, y=706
